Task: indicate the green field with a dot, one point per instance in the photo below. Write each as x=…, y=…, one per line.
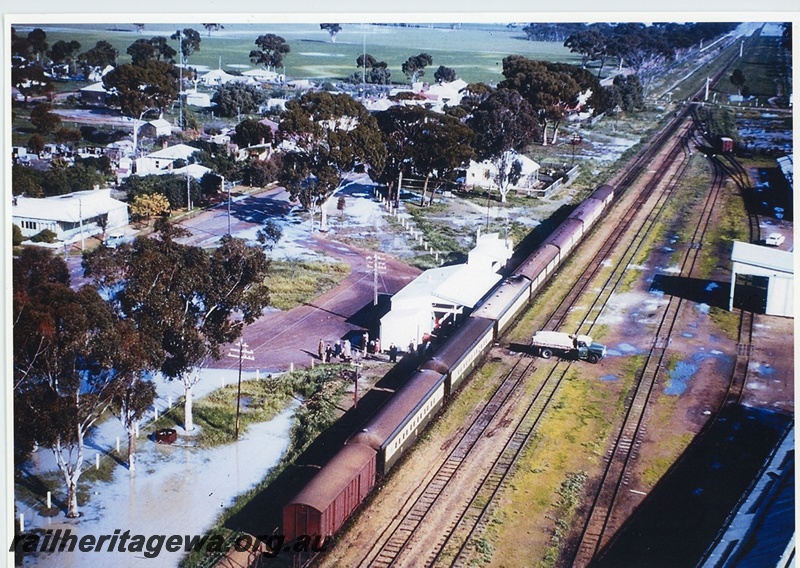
x=475, y=52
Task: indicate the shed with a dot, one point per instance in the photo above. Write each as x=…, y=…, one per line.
x=164, y=158
x=94, y=95
x=762, y=280
x=70, y=216
x=155, y=128
x=432, y=298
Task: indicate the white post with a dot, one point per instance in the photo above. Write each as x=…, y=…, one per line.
x=169, y=402
x=155, y=412
x=97, y=461
x=291, y=367
x=258, y=375
x=49, y=500
x=117, y=444
x=222, y=382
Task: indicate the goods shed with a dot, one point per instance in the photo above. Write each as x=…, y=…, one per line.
x=762, y=280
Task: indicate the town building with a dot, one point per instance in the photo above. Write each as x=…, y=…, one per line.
x=71, y=216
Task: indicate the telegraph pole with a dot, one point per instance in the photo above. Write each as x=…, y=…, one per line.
x=241, y=352
x=376, y=264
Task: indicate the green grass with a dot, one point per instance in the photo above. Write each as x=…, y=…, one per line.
x=475, y=52
x=293, y=284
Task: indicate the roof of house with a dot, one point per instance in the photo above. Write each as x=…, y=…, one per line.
x=176, y=152
x=95, y=88
x=71, y=207
x=159, y=123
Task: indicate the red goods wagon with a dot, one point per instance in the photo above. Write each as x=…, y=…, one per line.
x=323, y=506
x=725, y=144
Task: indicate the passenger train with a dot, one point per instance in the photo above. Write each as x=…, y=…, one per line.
x=327, y=501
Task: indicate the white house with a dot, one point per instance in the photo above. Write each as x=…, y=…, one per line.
x=482, y=174
x=71, y=216
x=163, y=159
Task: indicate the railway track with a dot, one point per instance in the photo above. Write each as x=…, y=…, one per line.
x=604, y=516
x=393, y=541
x=452, y=547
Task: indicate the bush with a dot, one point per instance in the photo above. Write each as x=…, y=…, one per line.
x=45, y=236
x=16, y=236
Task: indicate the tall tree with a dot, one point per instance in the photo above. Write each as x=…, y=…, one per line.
x=235, y=98
x=44, y=119
x=213, y=28
x=102, y=54
x=63, y=52
x=445, y=74
x=189, y=41
x=332, y=134
x=332, y=30
x=503, y=122
x=37, y=43
x=590, y=44
x=147, y=84
x=65, y=348
x=414, y=67
x=270, y=52
x=738, y=79
x=187, y=301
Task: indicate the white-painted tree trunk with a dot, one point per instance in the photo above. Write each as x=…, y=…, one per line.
x=323, y=221
x=188, y=419
x=131, y=448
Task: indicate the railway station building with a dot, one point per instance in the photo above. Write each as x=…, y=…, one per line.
x=440, y=295
x=762, y=280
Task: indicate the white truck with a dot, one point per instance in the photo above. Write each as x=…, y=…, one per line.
x=545, y=343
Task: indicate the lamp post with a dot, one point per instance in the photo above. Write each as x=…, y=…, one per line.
x=241, y=352
x=136, y=130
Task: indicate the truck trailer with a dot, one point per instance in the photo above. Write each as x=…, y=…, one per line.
x=545, y=343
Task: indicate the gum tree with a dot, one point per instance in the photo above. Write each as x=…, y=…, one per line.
x=331, y=135
x=189, y=302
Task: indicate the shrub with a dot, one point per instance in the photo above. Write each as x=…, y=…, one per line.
x=45, y=236
x=16, y=236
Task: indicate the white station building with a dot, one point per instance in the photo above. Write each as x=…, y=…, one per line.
x=442, y=294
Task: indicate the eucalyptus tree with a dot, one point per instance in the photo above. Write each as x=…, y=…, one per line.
x=503, y=122
x=187, y=301
x=271, y=50
x=423, y=143
x=414, y=66
x=330, y=136
x=67, y=348
x=332, y=30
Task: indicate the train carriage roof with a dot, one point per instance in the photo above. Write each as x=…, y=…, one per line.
x=566, y=233
x=456, y=347
x=399, y=408
x=334, y=477
x=536, y=263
